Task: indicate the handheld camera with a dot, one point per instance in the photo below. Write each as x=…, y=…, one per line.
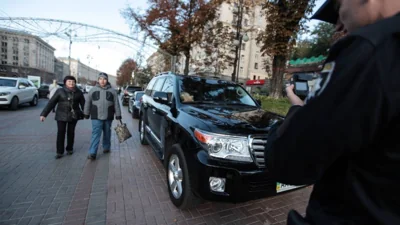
x=300, y=82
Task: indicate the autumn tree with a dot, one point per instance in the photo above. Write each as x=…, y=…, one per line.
x=143, y=76
x=175, y=25
x=124, y=74
x=284, y=20
x=217, y=46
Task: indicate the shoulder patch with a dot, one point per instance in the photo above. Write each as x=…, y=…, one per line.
x=322, y=81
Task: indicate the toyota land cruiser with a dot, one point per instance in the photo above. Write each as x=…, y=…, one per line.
x=210, y=135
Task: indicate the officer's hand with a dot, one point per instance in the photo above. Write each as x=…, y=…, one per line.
x=42, y=118
x=293, y=98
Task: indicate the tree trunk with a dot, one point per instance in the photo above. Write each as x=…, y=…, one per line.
x=278, y=69
x=187, y=61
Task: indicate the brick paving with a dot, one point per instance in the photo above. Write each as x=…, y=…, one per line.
x=127, y=186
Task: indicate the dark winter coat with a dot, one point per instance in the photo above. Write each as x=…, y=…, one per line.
x=62, y=99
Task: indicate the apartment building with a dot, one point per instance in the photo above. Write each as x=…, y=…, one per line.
x=21, y=49
x=251, y=65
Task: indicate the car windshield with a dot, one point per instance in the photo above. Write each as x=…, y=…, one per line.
x=199, y=90
x=133, y=89
x=8, y=83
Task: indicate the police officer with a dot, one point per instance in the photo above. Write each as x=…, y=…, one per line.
x=344, y=138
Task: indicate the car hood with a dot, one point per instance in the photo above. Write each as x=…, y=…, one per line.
x=235, y=118
x=7, y=89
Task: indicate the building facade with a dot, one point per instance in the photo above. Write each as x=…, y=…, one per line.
x=79, y=69
x=251, y=63
x=25, y=50
x=23, y=54
x=61, y=69
x=157, y=63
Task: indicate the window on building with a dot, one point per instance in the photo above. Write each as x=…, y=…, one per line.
x=15, y=63
x=234, y=20
x=4, y=38
x=27, y=41
x=254, y=77
x=243, y=46
x=256, y=66
x=15, y=39
x=15, y=57
x=259, y=77
x=256, y=56
x=241, y=70
x=246, y=22
x=3, y=44
x=242, y=58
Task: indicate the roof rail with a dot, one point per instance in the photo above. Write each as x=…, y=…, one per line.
x=164, y=73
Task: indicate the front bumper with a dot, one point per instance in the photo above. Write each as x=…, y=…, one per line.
x=5, y=99
x=126, y=98
x=244, y=182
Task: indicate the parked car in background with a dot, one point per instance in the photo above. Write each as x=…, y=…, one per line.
x=44, y=90
x=87, y=88
x=128, y=93
x=16, y=91
x=211, y=135
x=135, y=103
x=81, y=88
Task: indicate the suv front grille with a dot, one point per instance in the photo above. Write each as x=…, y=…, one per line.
x=257, y=146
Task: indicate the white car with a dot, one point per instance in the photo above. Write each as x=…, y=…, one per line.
x=16, y=91
x=87, y=88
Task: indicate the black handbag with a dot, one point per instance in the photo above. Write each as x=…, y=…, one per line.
x=75, y=114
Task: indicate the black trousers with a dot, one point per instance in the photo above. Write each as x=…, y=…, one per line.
x=69, y=128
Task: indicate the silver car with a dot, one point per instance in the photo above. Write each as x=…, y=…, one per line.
x=135, y=103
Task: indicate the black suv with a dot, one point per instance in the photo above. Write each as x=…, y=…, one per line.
x=128, y=93
x=210, y=134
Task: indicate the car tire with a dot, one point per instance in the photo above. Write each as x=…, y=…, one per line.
x=142, y=131
x=34, y=101
x=178, y=180
x=14, y=103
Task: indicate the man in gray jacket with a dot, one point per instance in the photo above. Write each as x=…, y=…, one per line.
x=101, y=105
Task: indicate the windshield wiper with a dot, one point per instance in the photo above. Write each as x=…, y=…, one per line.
x=201, y=102
x=239, y=103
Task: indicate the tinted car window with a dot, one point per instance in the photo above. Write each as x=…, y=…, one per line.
x=158, y=85
x=23, y=83
x=194, y=89
x=168, y=87
x=139, y=95
x=7, y=83
x=150, y=86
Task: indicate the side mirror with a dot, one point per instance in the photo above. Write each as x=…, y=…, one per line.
x=258, y=101
x=161, y=97
x=21, y=87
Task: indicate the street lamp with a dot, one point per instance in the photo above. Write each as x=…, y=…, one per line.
x=237, y=10
x=238, y=43
x=69, y=34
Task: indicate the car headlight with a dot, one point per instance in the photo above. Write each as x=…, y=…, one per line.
x=224, y=146
x=5, y=93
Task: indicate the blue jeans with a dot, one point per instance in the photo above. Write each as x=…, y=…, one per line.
x=99, y=126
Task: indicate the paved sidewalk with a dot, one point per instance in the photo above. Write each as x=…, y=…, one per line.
x=127, y=186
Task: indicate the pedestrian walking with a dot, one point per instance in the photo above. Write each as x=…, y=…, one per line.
x=70, y=102
x=343, y=138
x=52, y=89
x=101, y=106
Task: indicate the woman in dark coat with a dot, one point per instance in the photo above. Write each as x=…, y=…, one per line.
x=70, y=102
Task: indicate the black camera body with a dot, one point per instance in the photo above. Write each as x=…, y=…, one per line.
x=300, y=82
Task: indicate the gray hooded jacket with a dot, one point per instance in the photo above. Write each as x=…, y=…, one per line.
x=102, y=103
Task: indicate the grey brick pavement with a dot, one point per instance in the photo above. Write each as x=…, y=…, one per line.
x=127, y=186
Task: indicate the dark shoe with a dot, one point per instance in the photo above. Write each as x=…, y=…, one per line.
x=92, y=156
x=59, y=156
x=70, y=152
x=105, y=151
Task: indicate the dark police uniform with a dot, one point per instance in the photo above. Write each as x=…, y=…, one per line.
x=346, y=138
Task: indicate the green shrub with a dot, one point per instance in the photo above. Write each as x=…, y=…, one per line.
x=279, y=106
